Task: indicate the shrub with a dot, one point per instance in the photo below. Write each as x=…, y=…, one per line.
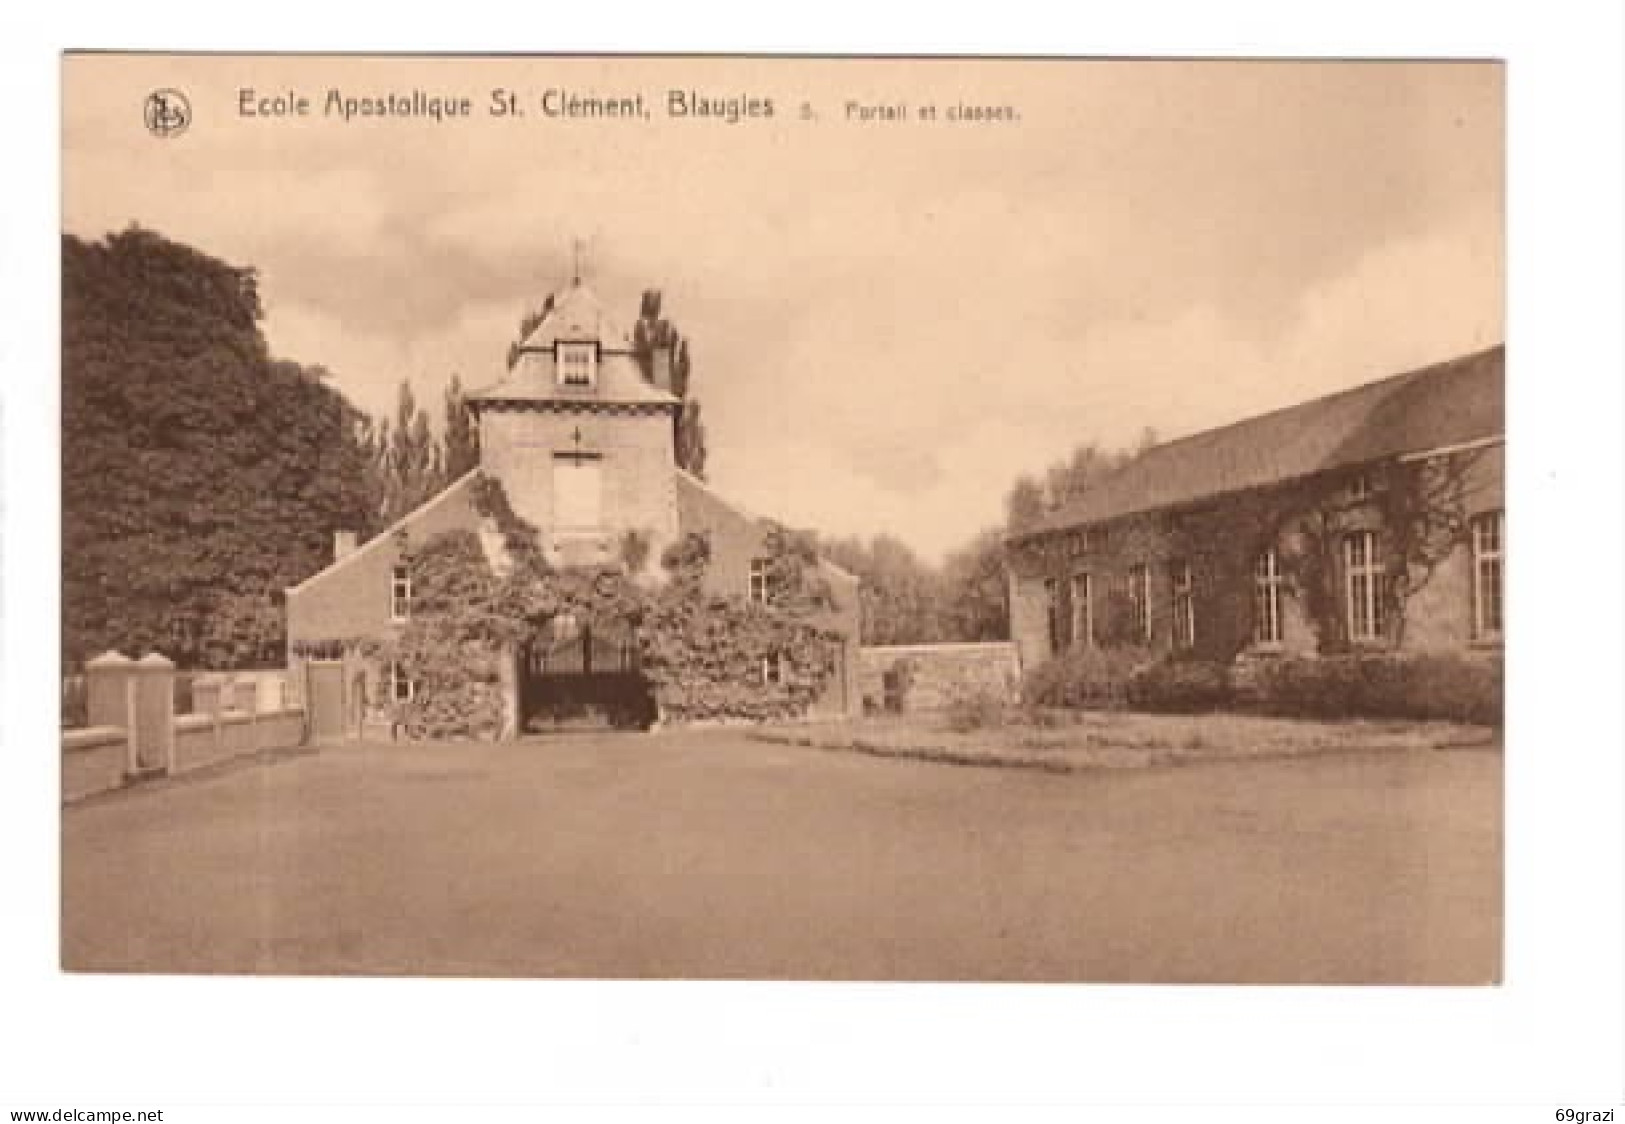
x=1180, y=686
x=975, y=709
x=1083, y=677
x=1454, y=688
x=896, y=683
x=1420, y=687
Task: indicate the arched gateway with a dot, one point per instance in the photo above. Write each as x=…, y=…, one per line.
x=575, y=675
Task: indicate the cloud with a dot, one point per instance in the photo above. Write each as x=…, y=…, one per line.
x=889, y=324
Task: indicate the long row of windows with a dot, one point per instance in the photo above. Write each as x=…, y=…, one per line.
x=1364, y=593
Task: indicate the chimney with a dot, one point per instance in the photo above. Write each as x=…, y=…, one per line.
x=660, y=369
x=343, y=545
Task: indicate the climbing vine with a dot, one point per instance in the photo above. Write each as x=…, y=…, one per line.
x=716, y=656
x=478, y=596
x=1419, y=510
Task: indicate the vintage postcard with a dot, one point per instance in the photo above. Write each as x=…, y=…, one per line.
x=783, y=518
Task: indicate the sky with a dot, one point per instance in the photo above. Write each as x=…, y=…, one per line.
x=890, y=320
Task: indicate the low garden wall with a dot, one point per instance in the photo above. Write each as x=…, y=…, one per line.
x=93, y=760
x=98, y=758
x=139, y=735
x=914, y=677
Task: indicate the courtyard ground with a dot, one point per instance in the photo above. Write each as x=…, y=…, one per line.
x=707, y=854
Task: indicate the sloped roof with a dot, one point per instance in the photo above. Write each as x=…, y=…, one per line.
x=577, y=316
x=1447, y=404
x=695, y=495
x=620, y=380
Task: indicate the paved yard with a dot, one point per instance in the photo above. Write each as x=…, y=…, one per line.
x=708, y=855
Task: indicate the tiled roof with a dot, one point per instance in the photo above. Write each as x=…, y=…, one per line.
x=1451, y=403
x=620, y=380
x=703, y=505
x=577, y=315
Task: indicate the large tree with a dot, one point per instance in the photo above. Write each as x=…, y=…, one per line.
x=409, y=459
x=1031, y=498
x=461, y=437
x=655, y=331
x=199, y=475
x=902, y=597
x=973, y=590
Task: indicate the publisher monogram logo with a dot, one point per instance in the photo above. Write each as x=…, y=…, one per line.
x=167, y=113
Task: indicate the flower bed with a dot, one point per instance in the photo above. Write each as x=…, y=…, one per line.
x=1067, y=742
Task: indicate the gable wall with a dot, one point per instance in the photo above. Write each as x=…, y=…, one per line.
x=736, y=538
x=351, y=600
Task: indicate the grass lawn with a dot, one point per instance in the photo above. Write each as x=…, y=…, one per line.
x=1065, y=742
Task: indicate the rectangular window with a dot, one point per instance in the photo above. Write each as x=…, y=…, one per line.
x=1488, y=534
x=576, y=364
x=1362, y=577
x=761, y=573
x=1139, y=597
x=1267, y=598
x=400, y=592
x=578, y=489
x=1083, y=610
x=1052, y=613
x=628, y=654
x=1184, y=601
x=771, y=671
x=401, y=687
x=1360, y=487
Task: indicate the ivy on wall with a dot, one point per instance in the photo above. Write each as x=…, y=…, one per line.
x=716, y=656
x=478, y=596
x=1418, y=509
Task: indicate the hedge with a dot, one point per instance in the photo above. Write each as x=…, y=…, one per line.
x=1084, y=677
x=1421, y=686
x=1453, y=688
x=1180, y=687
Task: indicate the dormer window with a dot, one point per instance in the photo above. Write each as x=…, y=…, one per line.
x=577, y=365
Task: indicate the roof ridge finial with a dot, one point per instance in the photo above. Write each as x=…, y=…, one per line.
x=576, y=247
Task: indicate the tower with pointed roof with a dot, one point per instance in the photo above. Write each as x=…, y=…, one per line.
x=580, y=438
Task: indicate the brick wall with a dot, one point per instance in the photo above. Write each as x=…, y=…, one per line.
x=941, y=672
x=736, y=538
x=352, y=598
x=1440, y=614
x=1438, y=618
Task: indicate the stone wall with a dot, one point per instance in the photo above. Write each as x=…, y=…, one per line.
x=940, y=673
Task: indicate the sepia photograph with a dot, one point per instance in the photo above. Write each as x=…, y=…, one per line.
x=1031, y=520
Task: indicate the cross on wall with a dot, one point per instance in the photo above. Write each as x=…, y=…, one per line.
x=577, y=453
